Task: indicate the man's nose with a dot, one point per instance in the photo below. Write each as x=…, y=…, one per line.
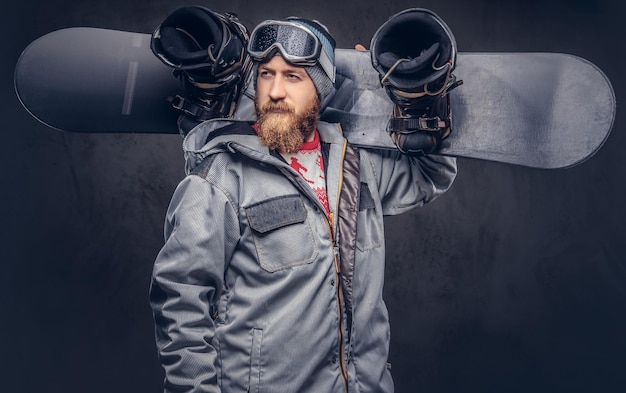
x=277, y=90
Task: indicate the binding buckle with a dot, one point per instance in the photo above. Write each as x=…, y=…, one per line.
x=409, y=125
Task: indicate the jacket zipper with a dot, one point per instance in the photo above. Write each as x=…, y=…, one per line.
x=342, y=347
x=331, y=225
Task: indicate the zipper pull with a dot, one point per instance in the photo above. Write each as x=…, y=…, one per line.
x=331, y=226
x=336, y=252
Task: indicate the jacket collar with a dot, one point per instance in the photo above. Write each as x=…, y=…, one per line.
x=219, y=135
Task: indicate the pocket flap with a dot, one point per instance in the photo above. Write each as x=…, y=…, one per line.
x=275, y=213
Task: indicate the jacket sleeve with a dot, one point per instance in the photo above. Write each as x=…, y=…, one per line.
x=407, y=182
x=201, y=231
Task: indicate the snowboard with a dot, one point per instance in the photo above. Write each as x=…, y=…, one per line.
x=540, y=110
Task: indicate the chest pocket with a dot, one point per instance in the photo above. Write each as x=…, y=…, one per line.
x=283, y=236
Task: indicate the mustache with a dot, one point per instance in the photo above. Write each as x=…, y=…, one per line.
x=280, y=106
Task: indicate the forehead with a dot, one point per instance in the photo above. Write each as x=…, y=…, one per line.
x=278, y=64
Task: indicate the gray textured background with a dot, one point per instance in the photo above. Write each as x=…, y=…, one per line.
x=514, y=281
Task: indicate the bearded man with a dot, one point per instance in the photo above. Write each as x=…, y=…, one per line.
x=271, y=276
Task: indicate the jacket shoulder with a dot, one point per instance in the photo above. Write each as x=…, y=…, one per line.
x=203, y=167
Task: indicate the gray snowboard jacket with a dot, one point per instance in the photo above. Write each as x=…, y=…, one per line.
x=257, y=289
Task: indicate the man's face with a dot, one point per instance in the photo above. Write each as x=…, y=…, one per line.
x=286, y=104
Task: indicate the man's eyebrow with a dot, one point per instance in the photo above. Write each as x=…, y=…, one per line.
x=288, y=70
x=298, y=71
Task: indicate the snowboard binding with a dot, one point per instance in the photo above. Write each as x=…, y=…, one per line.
x=207, y=51
x=414, y=53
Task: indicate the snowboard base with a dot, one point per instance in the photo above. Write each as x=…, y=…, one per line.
x=542, y=110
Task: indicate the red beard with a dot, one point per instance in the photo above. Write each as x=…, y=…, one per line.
x=284, y=130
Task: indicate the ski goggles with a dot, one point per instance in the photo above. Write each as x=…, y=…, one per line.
x=297, y=44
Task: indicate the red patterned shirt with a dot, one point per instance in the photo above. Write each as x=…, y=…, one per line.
x=309, y=164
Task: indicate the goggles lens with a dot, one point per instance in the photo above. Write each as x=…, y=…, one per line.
x=294, y=42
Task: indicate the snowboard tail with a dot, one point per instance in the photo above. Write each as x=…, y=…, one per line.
x=97, y=81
